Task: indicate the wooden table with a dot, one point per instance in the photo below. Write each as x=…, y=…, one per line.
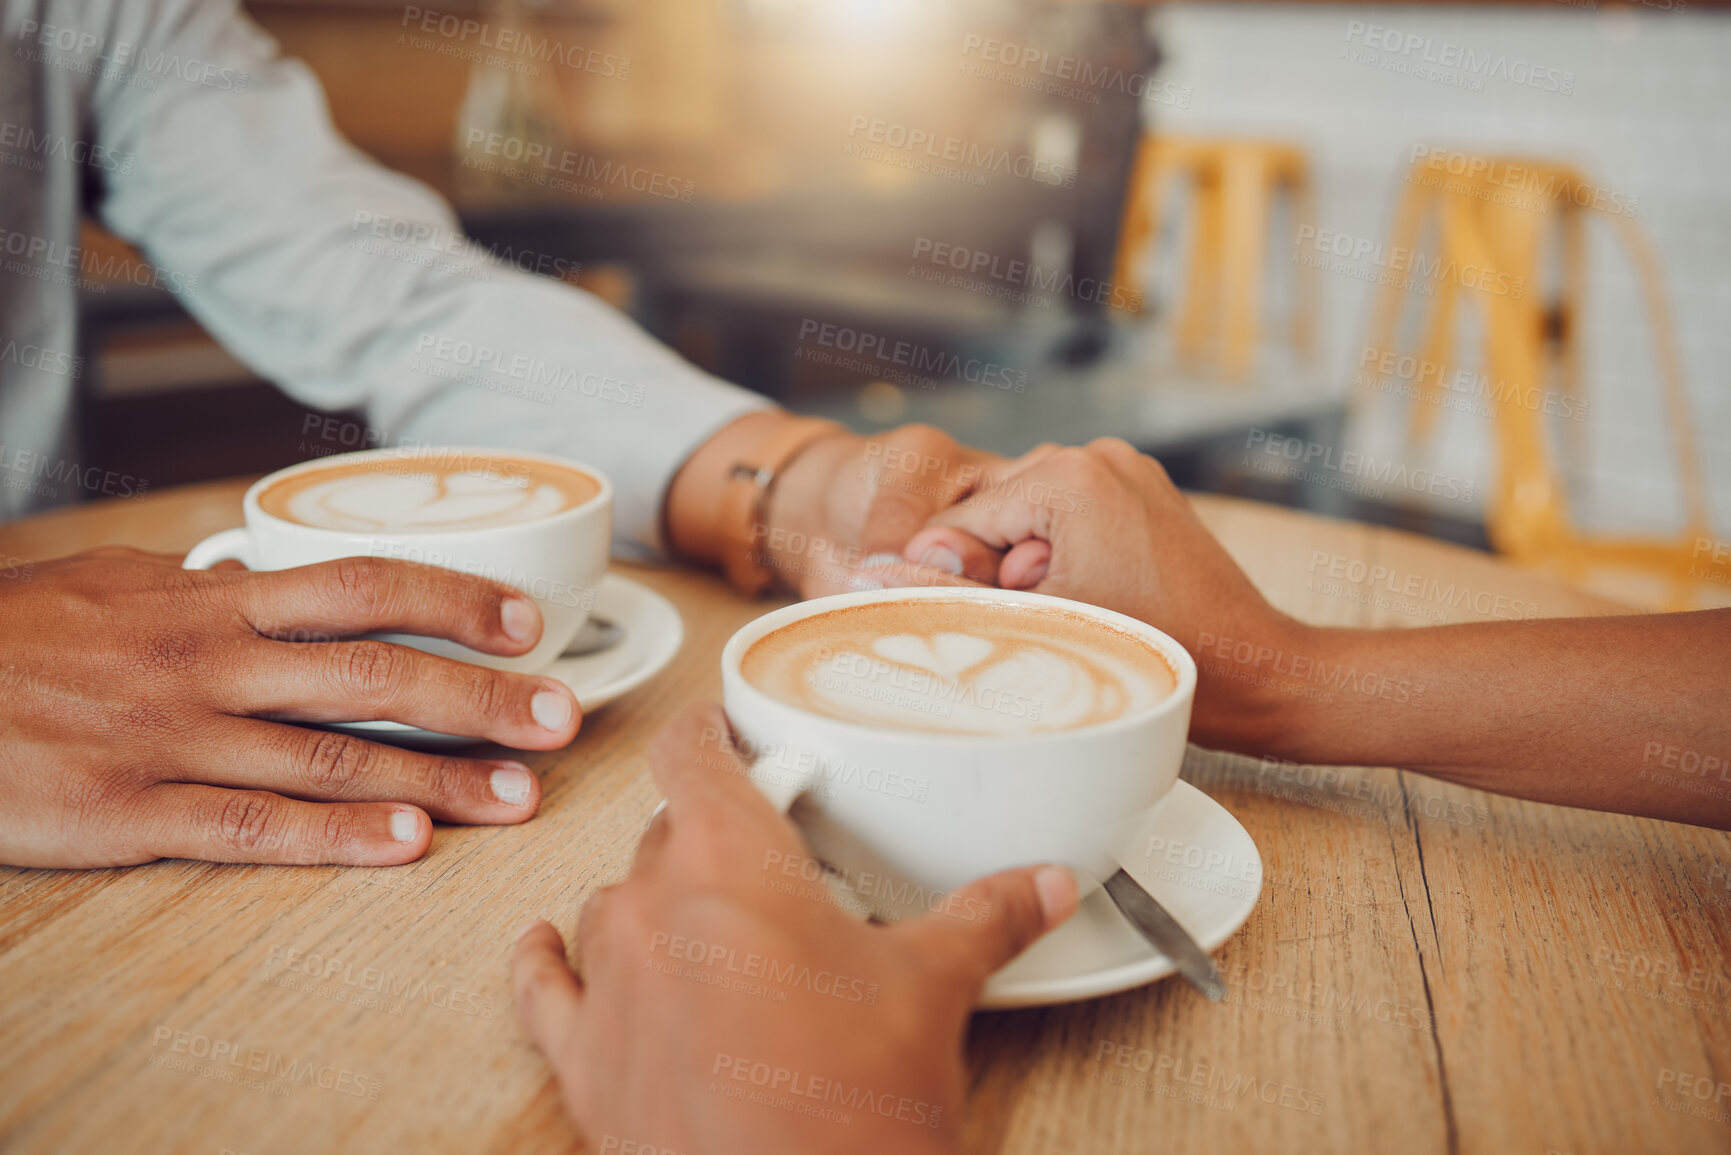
x=1435, y=969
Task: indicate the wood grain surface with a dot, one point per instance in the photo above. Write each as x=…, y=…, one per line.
x=1430, y=968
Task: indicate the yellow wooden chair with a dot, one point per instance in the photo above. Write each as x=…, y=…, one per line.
x=1234, y=185
x=1491, y=222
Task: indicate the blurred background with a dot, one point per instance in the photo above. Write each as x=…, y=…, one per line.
x=1457, y=268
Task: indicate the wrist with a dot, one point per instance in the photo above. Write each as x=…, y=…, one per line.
x=797, y=538
x=1259, y=688
x=693, y=506
x=716, y=505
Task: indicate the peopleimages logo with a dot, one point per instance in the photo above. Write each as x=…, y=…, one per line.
x=53, y=145
x=973, y=264
x=1398, y=259
x=41, y=257
x=1421, y=379
x=513, y=42
x=544, y=166
x=954, y=150
x=1069, y=77
x=1512, y=184
x=230, y=1062
x=1413, y=47
x=346, y=982
x=1312, y=457
x=40, y=473
x=82, y=51
x=906, y=362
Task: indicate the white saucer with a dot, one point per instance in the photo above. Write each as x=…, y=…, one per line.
x=653, y=634
x=1099, y=953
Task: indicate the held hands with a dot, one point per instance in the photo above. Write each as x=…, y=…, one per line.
x=717, y=989
x=847, y=501
x=1104, y=524
x=142, y=711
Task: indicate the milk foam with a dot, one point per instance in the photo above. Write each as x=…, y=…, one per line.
x=959, y=668
x=407, y=501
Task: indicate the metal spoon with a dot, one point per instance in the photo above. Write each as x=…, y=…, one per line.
x=596, y=635
x=1164, y=932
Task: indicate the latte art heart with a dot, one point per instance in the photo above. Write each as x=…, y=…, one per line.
x=962, y=667
x=948, y=655
x=420, y=496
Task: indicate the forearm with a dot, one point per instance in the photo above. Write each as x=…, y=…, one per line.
x=1630, y=714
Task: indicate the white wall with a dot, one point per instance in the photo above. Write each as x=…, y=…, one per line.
x=1649, y=117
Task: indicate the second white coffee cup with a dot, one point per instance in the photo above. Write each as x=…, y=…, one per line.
x=558, y=560
x=910, y=816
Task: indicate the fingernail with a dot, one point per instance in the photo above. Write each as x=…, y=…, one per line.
x=944, y=558
x=522, y=621
x=878, y=560
x=510, y=783
x=525, y=929
x=862, y=584
x=551, y=709
x=1034, y=576
x=1057, y=890
x=405, y=825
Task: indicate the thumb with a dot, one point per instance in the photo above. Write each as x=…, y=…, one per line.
x=548, y=995
x=989, y=922
x=953, y=551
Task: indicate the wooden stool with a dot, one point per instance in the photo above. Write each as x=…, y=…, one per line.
x=1234, y=184
x=1492, y=220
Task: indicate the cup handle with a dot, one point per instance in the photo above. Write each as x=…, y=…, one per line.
x=229, y=545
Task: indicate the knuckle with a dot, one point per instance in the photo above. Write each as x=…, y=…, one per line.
x=98, y=797
x=490, y=694
x=1079, y=467
x=248, y=821
x=168, y=653
x=338, y=827
x=371, y=669
x=711, y=846
x=142, y=718
x=189, y=591
x=599, y=923
x=364, y=582
x=1114, y=445
x=440, y=779
x=334, y=761
x=921, y=435
x=536, y=977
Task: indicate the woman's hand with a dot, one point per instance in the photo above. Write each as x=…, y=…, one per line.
x=143, y=711
x=722, y=1003
x=1105, y=525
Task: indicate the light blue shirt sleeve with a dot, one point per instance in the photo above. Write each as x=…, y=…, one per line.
x=350, y=285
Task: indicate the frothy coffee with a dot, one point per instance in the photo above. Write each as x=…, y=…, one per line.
x=429, y=493
x=959, y=667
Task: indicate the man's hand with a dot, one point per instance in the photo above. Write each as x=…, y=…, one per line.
x=718, y=987
x=846, y=501
x=142, y=711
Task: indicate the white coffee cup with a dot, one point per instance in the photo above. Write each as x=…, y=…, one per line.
x=558, y=560
x=916, y=814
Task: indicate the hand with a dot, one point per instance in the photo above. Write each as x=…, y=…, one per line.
x=845, y=500
x=1105, y=525
x=143, y=709
x=649, y=1050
